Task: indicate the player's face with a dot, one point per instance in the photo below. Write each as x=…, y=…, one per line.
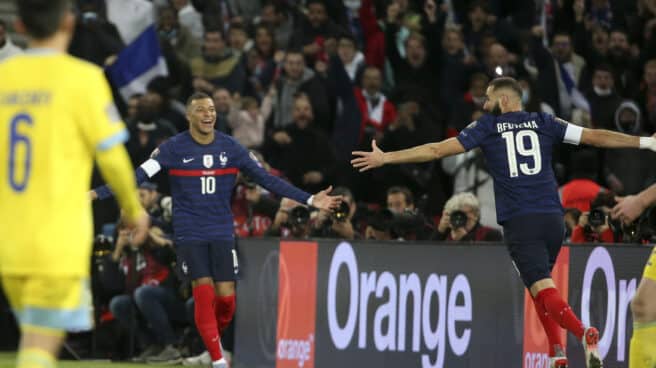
x=201, y=116
x=493, y=102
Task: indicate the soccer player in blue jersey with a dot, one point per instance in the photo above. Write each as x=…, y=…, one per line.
x=518, y=146
x=202, y=165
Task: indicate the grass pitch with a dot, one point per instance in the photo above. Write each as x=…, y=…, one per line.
x=7, y=360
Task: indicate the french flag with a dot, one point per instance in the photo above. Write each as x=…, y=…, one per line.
x=141, y=60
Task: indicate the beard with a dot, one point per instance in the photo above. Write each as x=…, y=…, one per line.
x=496, y=110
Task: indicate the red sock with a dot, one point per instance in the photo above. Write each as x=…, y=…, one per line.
x=550, y=327
x=224, y=309
x=205, y=319
x=560, y=311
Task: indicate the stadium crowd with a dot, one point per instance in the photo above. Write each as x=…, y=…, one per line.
x=304, y=83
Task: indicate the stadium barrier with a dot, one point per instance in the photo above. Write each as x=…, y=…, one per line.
x=327, y=303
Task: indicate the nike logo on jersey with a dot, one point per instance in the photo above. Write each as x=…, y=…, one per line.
x=187, y=160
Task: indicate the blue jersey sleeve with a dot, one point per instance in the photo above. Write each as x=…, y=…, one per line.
x=159, y=159
x=561, y=130
x=249, y=164
x=474, y=134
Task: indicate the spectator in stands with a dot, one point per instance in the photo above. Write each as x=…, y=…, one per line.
x=376, y=110
x=315, y=32
x=634, y=170
x=559, y=72
x=133, y=107
x=379, y=226
x=150, y=286
x=147, y=131
x=225, y=108
x=470, y=102
x=456, y=67
x=292, y=221
x=177, y=35
x=283, y=20
x=158, y=97
x=400, y=199
x=190, y=18
x=499, y=62
x=7, y=48
x=95, y=39
x=460, y=221
x=647, y=97
x=479, y=24
x=351, y=57
x=253, y=209
x=238, y=38
x=248, y=123
x=603, y=98
x=301, y=150
x=373, y=37
x=262, y=62
x=594, y=225
x=219, y=66
x=339, y=223
x=623, y=62
x=298, y=78
x=571, y=218
x=582, y=189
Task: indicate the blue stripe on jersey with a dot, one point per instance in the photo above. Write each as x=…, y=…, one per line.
x=113, y=140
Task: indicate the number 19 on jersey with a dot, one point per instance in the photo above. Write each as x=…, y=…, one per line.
x=515, y=145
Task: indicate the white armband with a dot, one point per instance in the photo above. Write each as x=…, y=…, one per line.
x=309, y=200
x=151, y=167
x=573, y=134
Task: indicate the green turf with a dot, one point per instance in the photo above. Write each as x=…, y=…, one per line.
x=7, y=361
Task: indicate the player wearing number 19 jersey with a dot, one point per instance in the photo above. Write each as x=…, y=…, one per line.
x=56, y=114
x=518, y=146
x=202, y=165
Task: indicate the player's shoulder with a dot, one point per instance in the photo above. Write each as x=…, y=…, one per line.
x=484, y=121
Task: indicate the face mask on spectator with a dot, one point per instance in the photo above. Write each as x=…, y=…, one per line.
x=603, y=92
x=526, y=96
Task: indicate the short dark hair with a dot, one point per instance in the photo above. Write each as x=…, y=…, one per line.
x=197, y=96
x=603, y=67
x=407, y=193
x=320, y=2
x=42, y=17
x=214, y=30
x=506, y=82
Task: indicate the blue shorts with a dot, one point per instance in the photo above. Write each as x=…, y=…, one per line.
x=216, y=259
x=534, y=241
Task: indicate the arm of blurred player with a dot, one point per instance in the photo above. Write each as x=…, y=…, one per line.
x=426, y=152
x=630, y=207
x=609, y=139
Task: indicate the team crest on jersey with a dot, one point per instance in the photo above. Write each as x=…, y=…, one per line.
x=208, y=161
x=223, y=158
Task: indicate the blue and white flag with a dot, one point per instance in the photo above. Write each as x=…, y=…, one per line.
x=137, y=64
x=577, y=98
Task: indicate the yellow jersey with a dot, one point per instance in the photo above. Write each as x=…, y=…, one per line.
x=55, y=112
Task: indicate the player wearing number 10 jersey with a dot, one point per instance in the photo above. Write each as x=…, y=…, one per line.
x=202, y=165
x=518, y=146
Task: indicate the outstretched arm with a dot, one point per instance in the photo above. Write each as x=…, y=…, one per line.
x=425, y=152
x=631, y=207
x=609, y=139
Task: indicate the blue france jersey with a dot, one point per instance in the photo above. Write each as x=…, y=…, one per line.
x=518, y=147
x=202, y=178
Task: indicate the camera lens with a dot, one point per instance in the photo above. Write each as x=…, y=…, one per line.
x=458, y=219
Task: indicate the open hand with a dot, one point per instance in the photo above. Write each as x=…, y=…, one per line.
x=368, y=160
x=139, y=228
x=323, y=201
x=627, y=208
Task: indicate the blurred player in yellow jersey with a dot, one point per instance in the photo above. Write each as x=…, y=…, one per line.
x=56, y=115
x=642, y=351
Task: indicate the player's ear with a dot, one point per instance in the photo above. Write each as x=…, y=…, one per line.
x=68, y=23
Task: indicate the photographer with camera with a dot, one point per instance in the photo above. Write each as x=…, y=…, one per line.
x=460, y=221
x=595, y=226
x=339, y=223
x=292, y=220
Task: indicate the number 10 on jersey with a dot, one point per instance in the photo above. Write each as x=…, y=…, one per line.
x=207, y=184
x=515, y=145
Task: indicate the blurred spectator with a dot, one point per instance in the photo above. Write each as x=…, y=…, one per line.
x=623, y=62
x=400, y=199
x=460, y=221
x=94, y=39
x=219, y=66
x=647, y=98
x=150, y=287
x=133, y=107
x=298, y=78
x=594, y=226
x=178, y=36
x=634, y=169
x=380, y=226
x=377, y=111
x=499, y=62
x=470, y=102
x=478, y=25
x=373, y=37
x=248, y=123
x=559, y=72
x=262, y=62
x=292, y=220
x=225, y=109
x=253, y=209
x=339, y=223
x=238, y=38
x=582, y=188
x=282, y=19
x=571, y=219
x=147, y=131
x=301, y=150
x=216, y=13
x=456, y=66
x=158, y=97
x=189, y=18
x=7, y=48
x=603, y=98
x=315, y=32
x=351, y=57
x=414, y=73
